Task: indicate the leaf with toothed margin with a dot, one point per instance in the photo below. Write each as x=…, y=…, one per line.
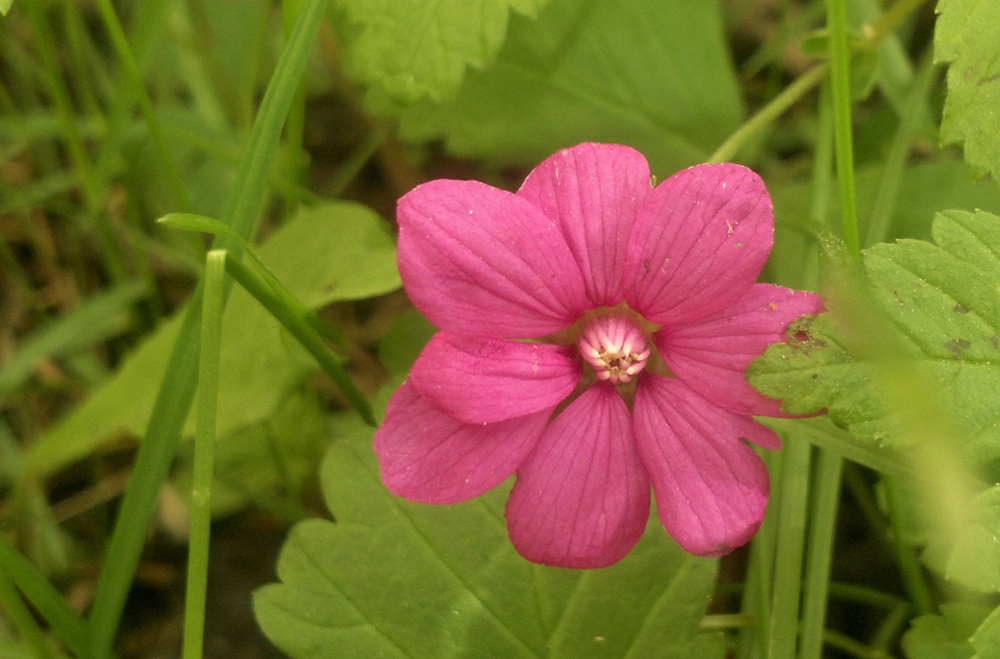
x=967, y=35
x=393, y=578
x=944, y=297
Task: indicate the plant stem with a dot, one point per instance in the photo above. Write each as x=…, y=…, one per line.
x=204, y=453
x=177, y=389
x=791, y=540
x=840, y=84
x=769, y=113
x=824, y=523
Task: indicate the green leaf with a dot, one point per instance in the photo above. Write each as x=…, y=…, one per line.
x=397, y=579
x=655, y=75
x=260, y=462
x=943, y=299
x=411, y=51
x=5, y=6
x=967, y=35
x=404, y=340
x=971, y=557
x=986, y=640
x=944, y=636
x=328, y=253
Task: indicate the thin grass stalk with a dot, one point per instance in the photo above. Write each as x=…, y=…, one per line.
x=795, y=472
x=177, y=389
x=204, y=455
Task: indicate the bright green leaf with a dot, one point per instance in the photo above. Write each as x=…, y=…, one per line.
x=944, y=299
x=944, y=636
x=5, y=6
x=411, y=51
x=967, y=35
x=655, y=75
x=325, y=254
x=986, y=639
x=259, y=463
x=971, y=557
x=396, y=579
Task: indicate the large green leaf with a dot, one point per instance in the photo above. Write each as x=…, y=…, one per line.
x=653, y=74
x=944, y=636
x=967, y=35
x=410, y=51
x=944, y=300
x=326, y=253
x=397, y=579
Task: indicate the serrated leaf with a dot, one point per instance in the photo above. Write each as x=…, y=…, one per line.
x=655, y=75
x=396, y=579
x=327, y=253
x=944, y=636
x=967, y=35
x=971, y=555
x=944, y=300
x=415, y=50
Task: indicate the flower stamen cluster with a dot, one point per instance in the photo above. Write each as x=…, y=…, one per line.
x=615, y=347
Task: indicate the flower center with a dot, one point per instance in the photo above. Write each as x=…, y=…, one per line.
x=616, y=348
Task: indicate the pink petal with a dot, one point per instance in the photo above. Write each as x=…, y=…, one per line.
x=593, y=191
x=479, y=380
x=427, y=456
x=711, y=356
x=711, y=489
x=699, y=242
x=484, y=262
x=582, y=498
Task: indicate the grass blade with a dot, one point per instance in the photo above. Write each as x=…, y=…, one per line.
x=177, y=390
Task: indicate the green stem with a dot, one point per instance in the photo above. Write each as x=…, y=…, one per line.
x=204, y=452
x=769, y=113
x=895, y=161
x=840, y=84
x=824, y=525
x=791, y=540
x=288, y=314
x=877, y=31
x=913, y=576
x=176, y=393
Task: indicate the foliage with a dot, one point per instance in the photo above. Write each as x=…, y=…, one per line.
x=305, y=127
x=968, y=38
x=393, y=578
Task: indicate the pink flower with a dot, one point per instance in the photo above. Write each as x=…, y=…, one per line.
x=594, y=337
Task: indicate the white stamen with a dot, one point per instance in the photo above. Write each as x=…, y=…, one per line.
x=615, y=347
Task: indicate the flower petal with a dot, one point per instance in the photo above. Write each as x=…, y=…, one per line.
x=479, y=380
x=712, y=355
x=582, y=497
x=593, y=191
x=484, y=262
x=427, y=456
x=711, y=489
x=699, y=242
